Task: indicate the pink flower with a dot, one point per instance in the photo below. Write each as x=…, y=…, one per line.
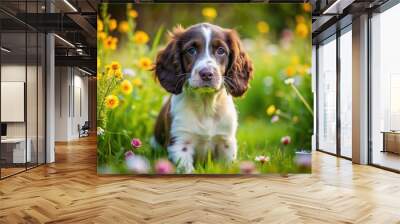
x=129, y=154
x=285, y=140
x=262, y=159
x=247, y=167
x=136, y=143
x=274, y=119
x=164, y=166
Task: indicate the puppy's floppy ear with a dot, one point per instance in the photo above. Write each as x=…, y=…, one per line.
x=168, y=65
x=240, y=68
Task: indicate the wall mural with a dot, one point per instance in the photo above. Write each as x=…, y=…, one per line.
x=204, y=88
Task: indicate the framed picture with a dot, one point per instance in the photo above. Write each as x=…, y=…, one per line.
x=204, y=88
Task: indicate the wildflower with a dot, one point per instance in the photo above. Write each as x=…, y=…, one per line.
x=300, y=19
x=271, y=110
x=263, y=27
x=98, y=62
x=295, y=60
x=100, y=131
x=295, y=119
x=209, y=13
x=123, y=27
x=99, y=76
x=118, y=74
x=303, y=159
x=307, y=7
x=274, y=119
x=262, y=159
x=136, y=143
x=132, y=13
x=110, y=42
x=100, y=25
x=290, y=71
x=140, y=37
x=101, y=36
x=247, y=167
x=115, y=65
x=302, y=30
x=137, y=82
x=145, y=63
x=137, y=164
x=129, y=72
x=289, y=81
x=129, y=154
x=164, y=166
x=126, y=87
x=303, y=69
x=285, y=140
x=111, y=101
x=112, y=24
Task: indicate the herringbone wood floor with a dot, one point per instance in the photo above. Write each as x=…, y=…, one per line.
x=70, y=191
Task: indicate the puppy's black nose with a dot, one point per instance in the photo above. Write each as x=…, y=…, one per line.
x=206, y=74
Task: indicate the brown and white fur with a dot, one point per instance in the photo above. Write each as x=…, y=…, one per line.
x=192, y=121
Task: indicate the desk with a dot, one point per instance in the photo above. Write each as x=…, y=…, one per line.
x=391, y=141
x=13, y=150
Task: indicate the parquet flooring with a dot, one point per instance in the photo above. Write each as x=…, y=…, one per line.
x=69, y=191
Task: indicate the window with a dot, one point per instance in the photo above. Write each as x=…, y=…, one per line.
x=327, y=96
x=346, y=93
x=385, y=89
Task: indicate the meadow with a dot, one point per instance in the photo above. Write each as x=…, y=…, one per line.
x=275, y=115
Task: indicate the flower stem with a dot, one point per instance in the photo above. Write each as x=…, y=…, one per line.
x=302, y=99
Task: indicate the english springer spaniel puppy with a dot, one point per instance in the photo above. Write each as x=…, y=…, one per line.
x=203, y=67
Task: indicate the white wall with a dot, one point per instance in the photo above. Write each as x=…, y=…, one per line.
x=71, y=93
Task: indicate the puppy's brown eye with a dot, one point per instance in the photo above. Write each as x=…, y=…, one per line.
x=221, y=51
x=192, y=51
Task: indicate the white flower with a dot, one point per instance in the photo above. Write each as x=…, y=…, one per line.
x=137, y=164
x=100, y=131
x=262, y=159
x=129, y=72
x=289, y=81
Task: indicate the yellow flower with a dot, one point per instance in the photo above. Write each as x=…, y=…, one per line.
x=133, y=13
x=101, y=35
x=271, y=110
x=111, y=101
x=295, y=119
x=118, y=74
x=140, y=37
x=99, y=76
x=295, y=60
x=209, y=13
x=112, y=24
x=100, y=25
x=137, y=82
x=145, y=63
x=302, y=30
x=307, y=7
x=263, y=27
x=300, y=19
x=290, y=71
x=126, y=87
x=123, y=27
x=303, y=69
x=110, y=43
x=98, y=62
x=115, y=65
